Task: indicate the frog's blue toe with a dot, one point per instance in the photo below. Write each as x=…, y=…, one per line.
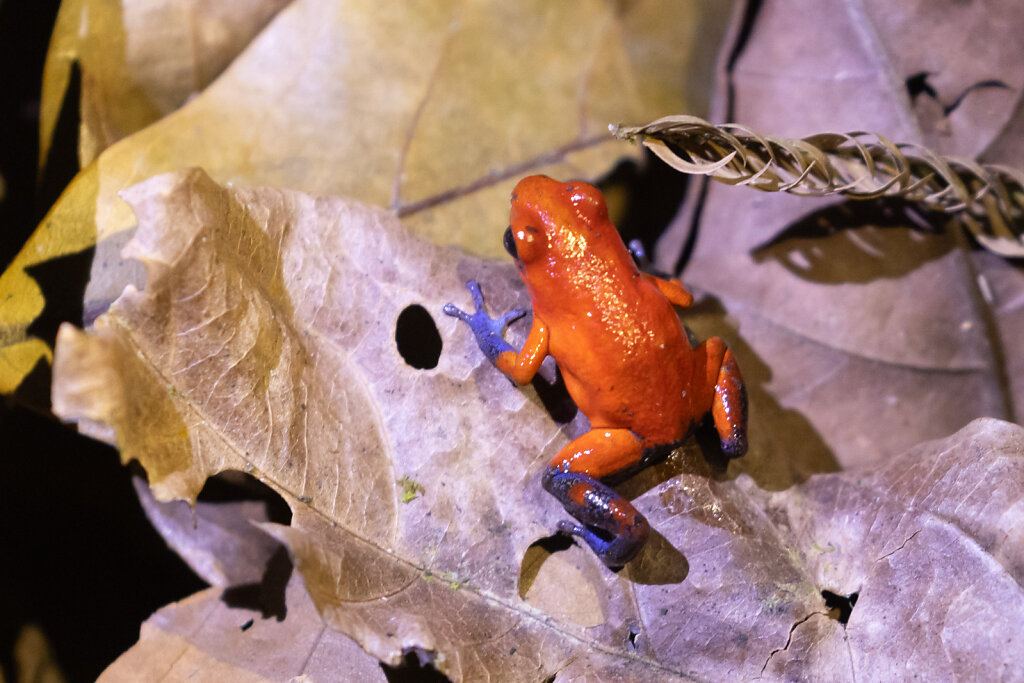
x=487, y=330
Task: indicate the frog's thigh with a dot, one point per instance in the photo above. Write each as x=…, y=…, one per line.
x=600, y=453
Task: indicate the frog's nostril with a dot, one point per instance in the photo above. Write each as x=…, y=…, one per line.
x=510, y=243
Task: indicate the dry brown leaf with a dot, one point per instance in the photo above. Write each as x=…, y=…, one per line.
x=257, y=623
x=825, y=408
x=219, y=541
x=433, y=110
x=201, y=638
x=139, y=61
x=869, y=327
x=265, y=342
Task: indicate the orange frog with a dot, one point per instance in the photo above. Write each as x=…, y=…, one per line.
x=622, y=351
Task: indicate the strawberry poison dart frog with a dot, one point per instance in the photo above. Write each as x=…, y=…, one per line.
x=622, y=351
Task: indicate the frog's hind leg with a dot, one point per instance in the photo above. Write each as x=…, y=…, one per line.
x=609, y=523
x=729, y=403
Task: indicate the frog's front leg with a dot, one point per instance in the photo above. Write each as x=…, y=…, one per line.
x=610, y=525
x=489, y=332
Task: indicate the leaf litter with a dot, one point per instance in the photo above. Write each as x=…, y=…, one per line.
x=732, y=583
x=863, y=323
x=258, y=345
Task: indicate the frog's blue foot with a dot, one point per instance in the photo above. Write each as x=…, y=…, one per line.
x=487, y=330
x=611, y=526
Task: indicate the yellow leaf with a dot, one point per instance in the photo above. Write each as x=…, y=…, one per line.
x=66, y=229
x=140, y=60
x=432, y=111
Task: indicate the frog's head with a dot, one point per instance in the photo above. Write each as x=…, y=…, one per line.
x=554, y=222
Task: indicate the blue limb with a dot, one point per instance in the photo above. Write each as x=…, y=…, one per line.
x=611, y=526
x=489, y=332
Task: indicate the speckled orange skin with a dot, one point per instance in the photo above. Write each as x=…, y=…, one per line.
x=634, y=368
x=624, y=355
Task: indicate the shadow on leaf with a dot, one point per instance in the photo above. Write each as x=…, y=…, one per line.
x=859, y=242
x=267, y=596
x=785, y=448
x=659, y=563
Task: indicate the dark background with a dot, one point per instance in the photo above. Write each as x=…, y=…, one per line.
x=77, y=556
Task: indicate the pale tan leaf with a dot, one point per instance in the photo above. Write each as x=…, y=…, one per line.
x=219, y=541
x=234, y=339
x=268, y=327
x=442, y=118
x=202, y=639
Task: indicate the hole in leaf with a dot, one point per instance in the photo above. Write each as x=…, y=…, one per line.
x=840, y=606
x=917, y=84
x=233, y=486
x=417, y=338
x=631, y=637
x=417, y=666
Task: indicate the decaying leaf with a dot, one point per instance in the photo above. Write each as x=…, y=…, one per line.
x=139, y=61
x=265, y=342
x=866, y=321
x=220, y=634
x=433, y=110
x=219, y=541
x=202, y=637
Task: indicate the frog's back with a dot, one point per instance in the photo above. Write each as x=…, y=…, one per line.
x=625, y=357
x=617, y=340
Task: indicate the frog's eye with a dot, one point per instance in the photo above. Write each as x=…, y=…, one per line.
x=509, y=241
